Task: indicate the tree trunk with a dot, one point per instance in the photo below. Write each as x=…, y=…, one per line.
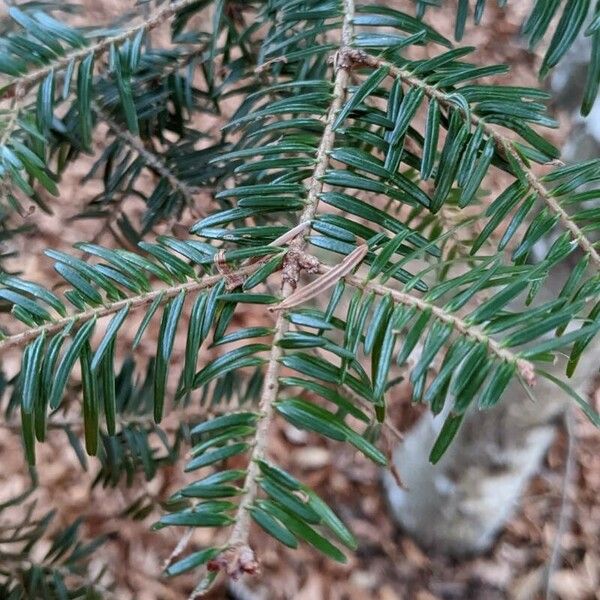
x=459, y=505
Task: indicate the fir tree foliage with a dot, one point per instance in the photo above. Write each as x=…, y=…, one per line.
x=559, y=21
x=63, y=571
x=346, y=206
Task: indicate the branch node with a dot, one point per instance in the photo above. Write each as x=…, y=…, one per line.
x=235, y=561
x=295, y=262
x=349, y=58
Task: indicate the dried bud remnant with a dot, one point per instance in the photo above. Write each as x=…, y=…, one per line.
x=348, y=58
x=236, y=561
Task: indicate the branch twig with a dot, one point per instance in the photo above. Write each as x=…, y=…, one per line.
x=155, y=19
x=152, y=160
x=503, y=143
x=240, y=557
x=134, y=303
x=526, y=368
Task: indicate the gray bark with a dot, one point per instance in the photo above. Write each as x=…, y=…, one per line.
x=459, y=505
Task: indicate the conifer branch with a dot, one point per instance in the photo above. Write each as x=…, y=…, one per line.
x=134, y=303
x=525, y=368
x=295, y=262
x=152, y=21
x=343, y=64
x=503, y=143
x=153, y=161
x=292, y=149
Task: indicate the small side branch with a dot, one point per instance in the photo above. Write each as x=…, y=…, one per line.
x=239, y=556
x=134, y=303
x=154, y=161
x=240, y=531
x=503, y=143
x=154, y=20
x=342, y=76
x=525, y=368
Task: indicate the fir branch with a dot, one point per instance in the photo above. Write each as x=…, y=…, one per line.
x=236, y=275
x=241, y=529
x=153, y=161
x=299, y=166
x=134, y=303
x=295, y=262
x=342, y=62
x=152, y=21
x=503, y=144
x=525, y=368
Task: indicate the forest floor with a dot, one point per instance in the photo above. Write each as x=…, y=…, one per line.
x=388, y=565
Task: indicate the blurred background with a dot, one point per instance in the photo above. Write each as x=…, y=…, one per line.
x=549, y=548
